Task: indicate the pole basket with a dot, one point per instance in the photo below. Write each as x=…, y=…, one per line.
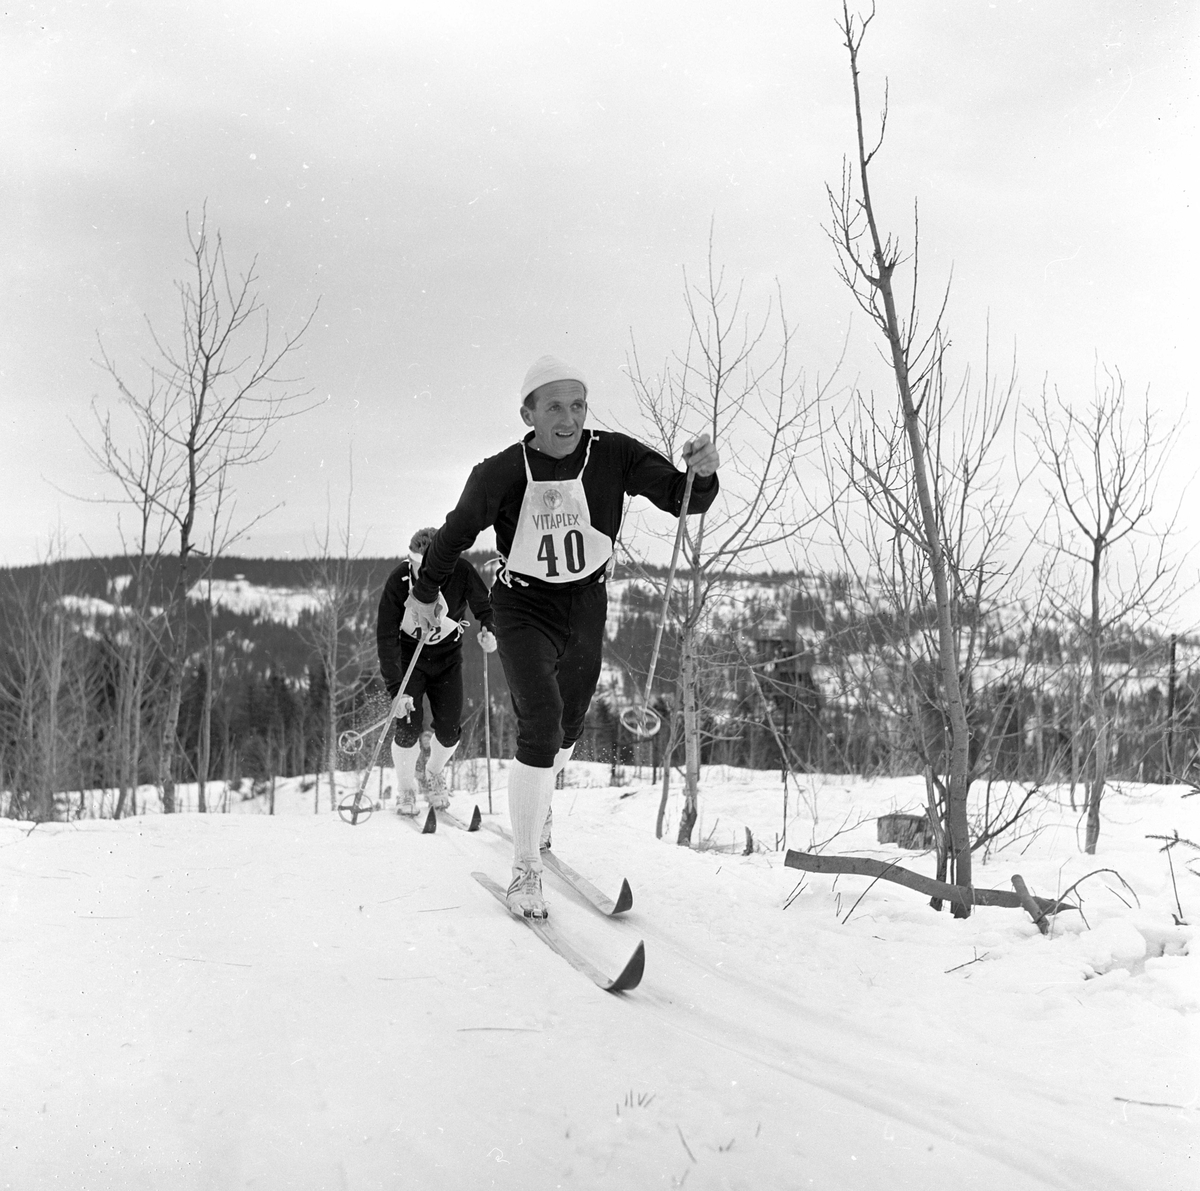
x=641, y=721
x=356, y=808
x=350, y=742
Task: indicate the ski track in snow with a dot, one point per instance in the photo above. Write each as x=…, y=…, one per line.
x=244, y=1001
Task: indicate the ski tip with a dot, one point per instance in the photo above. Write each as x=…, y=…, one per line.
x=631, y=974
x=624, y=899
x=430, y=823
x=476, y=819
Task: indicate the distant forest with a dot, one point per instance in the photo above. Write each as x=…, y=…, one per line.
x=796, y=676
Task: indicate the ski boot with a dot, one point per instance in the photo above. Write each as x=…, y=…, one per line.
x=525, y=894
x=436, y=793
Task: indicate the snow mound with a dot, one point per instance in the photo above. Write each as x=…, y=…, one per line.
x=1116, y=943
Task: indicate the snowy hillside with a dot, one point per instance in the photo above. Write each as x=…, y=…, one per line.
x=282, y=605
x=240, y=1000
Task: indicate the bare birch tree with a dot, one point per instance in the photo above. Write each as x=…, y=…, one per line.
x=1102, y=466
x=207, y=407
x=737, y=380
x=868, y=261
x=132, y=642
x=340, y=633
x=134, y=637
x=46, y=693
x=876, y=521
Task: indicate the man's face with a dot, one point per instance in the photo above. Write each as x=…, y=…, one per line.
x=557, y=417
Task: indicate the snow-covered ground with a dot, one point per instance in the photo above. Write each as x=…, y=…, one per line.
x=239, y=1000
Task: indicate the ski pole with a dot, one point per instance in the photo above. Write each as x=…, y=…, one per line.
x=487, y=728
x=645, y=722
x=352, y=809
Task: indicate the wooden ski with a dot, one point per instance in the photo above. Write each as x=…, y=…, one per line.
x=598, y=899
x=630, y=975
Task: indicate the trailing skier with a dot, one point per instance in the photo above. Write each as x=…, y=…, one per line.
x=438, y=672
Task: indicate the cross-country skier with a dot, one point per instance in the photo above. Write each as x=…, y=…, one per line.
x=555, y=500
x=438, y=672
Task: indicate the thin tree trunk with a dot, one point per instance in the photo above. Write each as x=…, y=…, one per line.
x=959, y=835
x=131, y=689
x=178, y=626
x=1039, y=744
x=1099, y=772
x=959, y=751
x=139, y=690
x=672, y=733
x=57, y=648
x=1076, y=731
x=691, y=736
x=331, y=719
x=204, y=759
x=690, y=686
x=123, y=728
x=1172, y=697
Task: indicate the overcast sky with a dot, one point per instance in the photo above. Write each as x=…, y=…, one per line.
x=465, y=187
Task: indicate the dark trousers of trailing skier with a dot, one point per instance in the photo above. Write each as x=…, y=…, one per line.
x=438, y=672
x=555, y=500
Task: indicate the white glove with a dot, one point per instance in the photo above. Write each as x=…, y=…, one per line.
x=422, y=618
x=403, y=707
x=701, y=453
x=487, y=641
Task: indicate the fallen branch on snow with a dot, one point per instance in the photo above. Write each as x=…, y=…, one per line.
x=865, y=866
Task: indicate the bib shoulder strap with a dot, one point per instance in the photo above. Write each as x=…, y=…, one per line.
x=587, y=454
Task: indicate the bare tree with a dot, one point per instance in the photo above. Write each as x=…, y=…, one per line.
x=132, y=642
x=868, y=262
x=46, y=693
x=134, y=635
x=1103, y=465
x=897, y=637
x=340, y=633
x=737, y=381
x=208, y=406
x=222, y=534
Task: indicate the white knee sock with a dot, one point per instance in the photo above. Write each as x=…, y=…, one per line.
x=561, y=758
x=529, y=792
x=439, y=754
x=405, y=762
x=560, y=763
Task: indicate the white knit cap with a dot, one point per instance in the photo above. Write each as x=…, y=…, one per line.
x=548, y=368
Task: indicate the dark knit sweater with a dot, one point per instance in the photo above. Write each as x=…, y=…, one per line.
x=618, y=466
x=463, y=588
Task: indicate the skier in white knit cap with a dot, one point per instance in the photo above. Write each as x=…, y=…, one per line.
x=555, y=500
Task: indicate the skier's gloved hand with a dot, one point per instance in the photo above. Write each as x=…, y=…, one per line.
x=425, y=618
x=487, y=641
x=701, y=453
x=403, y=707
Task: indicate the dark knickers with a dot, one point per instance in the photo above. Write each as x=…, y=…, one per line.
x=549, y=641
x=439, y=679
